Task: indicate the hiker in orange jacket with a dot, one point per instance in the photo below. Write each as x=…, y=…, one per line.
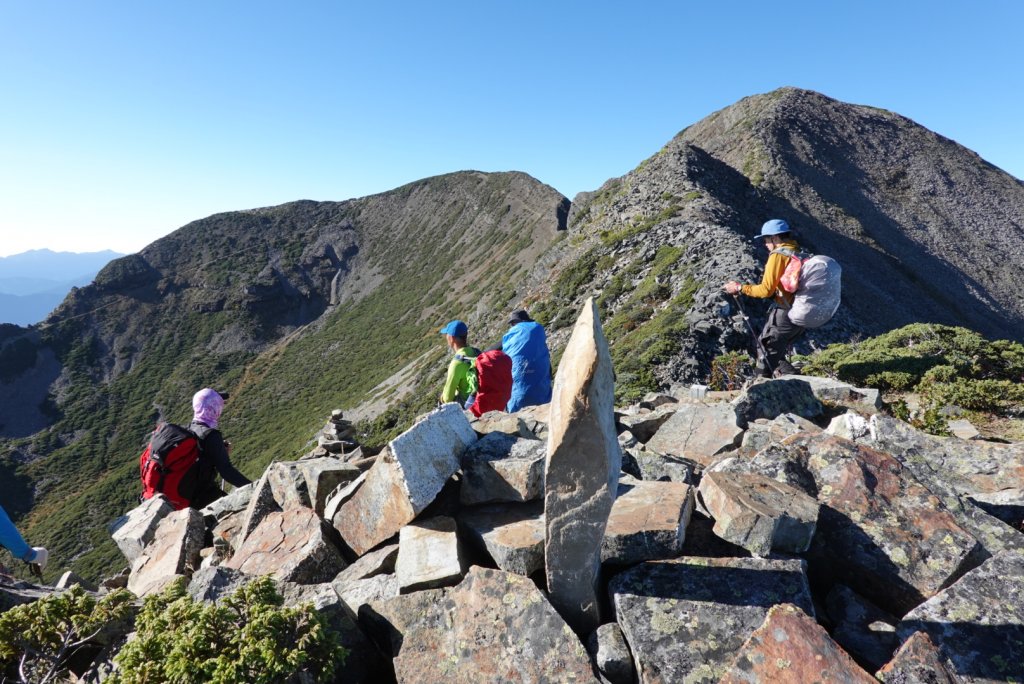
x=779, y=332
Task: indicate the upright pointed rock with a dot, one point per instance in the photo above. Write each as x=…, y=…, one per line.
x=582, y=466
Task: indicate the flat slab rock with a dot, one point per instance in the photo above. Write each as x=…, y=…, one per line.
x=401, y=485
x=698, y=431
x=174, y=552
x=790, y=646
x=648, y=522
x=686, y=619
x=512, y=534
x=977, y=624
x=880, y=531
x=429, y=555
x=493, y=627
x=291, y=546
x=503, y=467
x=758, y=513
x=134, y=530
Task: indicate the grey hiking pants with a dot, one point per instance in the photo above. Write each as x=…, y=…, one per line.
x=779, y=332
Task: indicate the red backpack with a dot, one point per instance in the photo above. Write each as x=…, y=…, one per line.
x=493, y=381
x=170, y=465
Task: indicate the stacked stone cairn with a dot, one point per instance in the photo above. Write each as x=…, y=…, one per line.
x=785, y=533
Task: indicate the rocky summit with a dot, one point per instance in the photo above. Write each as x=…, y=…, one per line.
x=810, y=557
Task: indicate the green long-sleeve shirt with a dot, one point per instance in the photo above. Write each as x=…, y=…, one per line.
x=456, y=384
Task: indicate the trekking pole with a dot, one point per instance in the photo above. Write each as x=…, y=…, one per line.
x=757, y=340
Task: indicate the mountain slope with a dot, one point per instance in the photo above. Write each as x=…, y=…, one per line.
x=294, y=309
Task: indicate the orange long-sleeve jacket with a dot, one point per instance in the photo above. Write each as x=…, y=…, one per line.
x=773, y=270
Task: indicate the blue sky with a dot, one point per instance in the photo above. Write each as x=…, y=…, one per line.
x=122, y=121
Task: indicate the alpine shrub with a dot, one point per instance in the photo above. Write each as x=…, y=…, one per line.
x=247, y=637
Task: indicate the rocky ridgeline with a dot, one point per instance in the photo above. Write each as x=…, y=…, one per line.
x=788, y=532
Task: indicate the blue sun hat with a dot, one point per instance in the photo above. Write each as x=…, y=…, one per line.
x=773, y=227
x=455, y=328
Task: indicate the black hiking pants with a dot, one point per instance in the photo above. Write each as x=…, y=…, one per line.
x=779, y=332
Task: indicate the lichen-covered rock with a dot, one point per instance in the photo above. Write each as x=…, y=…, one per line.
x=978, y=622
x=791, y=647
x=494, y=627
x=582, y=471
x=918, y=661
x=880, y=531
x=698, y=431
x=402, y=483
x=648, y=522
x=771, y=398
x=762, y=432
x=511, y=424
x=758, y=513
x=611, y=654
x=974, y=469
x=867, y=632
x=174, y=552
x=134, y=530
x=501, y=467
x=652, y=466
x=292, y=546
x=512, y=534
x=686, y=619
x=429, y=555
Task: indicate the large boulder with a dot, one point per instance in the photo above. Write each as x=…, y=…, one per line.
x=582, y=471
x=978, y=622
x=763, y=432
x=261, y=504
x=771, y=398
x=685, y=620
x=644, y=424
x=503, y=467
x=134, y=530
x=429, y=555
x=309, y=482
x=648, y=522
x=401, y=485
x=880, y=531
x=355, y=594
x=512, y=534
x=758, y=513
x=214, y=583
x=378, y=562
x=790, y=646
x=292, y=546
x=698, y=431
x=494, y=627
x=839, y=393
x=174, y=552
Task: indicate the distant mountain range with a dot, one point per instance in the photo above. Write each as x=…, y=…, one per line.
x=309, y=306
x=33, y=283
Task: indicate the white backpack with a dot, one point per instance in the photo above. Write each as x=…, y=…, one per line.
x=816, y=283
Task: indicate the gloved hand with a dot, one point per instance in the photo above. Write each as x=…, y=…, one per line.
x=41, y=557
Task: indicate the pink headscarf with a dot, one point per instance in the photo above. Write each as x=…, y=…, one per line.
x=207, y=405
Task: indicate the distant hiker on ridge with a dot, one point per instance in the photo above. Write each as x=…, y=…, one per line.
x=12, y=540
x=459, y=385
x=779, y=332
x=527, y=344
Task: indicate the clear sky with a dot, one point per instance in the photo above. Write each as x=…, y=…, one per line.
x=122, y=121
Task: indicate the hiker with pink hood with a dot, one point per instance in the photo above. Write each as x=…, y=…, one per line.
x=214, y=452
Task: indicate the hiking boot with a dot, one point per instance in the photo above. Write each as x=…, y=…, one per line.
x=786, y=368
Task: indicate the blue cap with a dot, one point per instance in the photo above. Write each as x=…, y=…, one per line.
x=455, y=329
x=774, y=227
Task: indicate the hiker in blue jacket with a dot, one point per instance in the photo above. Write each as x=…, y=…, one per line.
x=12, y=540
x=527, y=344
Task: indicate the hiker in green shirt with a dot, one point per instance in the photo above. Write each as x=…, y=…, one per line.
x=457, y=383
